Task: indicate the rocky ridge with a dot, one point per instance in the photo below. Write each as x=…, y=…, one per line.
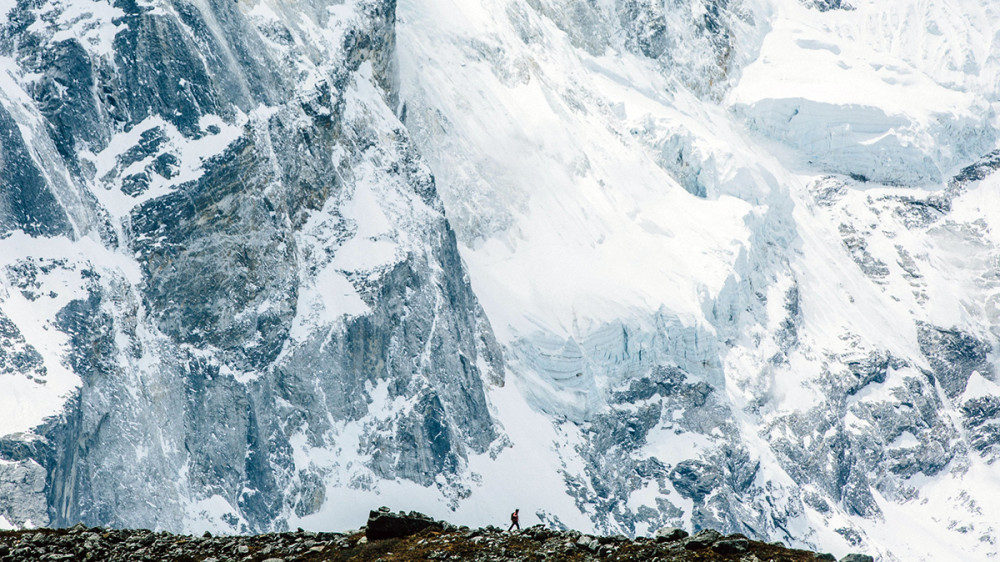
x=394, y=536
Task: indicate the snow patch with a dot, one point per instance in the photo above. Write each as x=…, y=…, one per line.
x=90, y=22
x=189, y=156
x=979, y=387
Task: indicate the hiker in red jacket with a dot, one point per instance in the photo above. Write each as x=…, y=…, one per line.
x=513, y=521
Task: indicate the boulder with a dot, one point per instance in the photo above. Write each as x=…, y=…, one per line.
x=587, y=542
x=539, y=533
x=670, y=534
x=731, y=545
x=857, y=558
x=702, y=539
x=384, y=524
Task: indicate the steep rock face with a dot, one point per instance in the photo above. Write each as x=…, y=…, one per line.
x=254, y=258
x=22, y=489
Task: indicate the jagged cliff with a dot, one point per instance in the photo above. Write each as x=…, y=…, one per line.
x=238, y=256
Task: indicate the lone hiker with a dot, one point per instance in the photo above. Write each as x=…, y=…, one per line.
x=513, y=521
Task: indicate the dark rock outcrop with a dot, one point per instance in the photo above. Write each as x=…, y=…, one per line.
x=384, y=524
x=953, y=356
x=668, y=534
x=702, y=539
x=857, y=558
x=732, y=545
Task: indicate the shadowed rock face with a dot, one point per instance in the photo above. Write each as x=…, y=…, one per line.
x=17, y=357
x=196, y=151
x=25, y=202
x=954, y=356
x=221, y=241
x=695, y=479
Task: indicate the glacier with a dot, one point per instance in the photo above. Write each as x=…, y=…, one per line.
x=622, y=264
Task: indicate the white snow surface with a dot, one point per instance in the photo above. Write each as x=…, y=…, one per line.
x=90, y=22
x=26, y=402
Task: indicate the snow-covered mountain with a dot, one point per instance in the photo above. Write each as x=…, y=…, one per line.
x=619, y=263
